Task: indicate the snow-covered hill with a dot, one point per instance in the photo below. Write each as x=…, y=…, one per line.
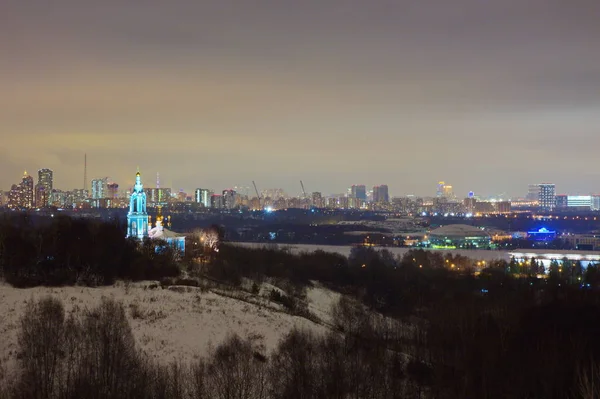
x=179, y=323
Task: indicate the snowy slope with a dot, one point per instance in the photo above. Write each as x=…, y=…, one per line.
x=167, y=324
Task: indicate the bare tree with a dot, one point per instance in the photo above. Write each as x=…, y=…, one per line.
x=237, y=371
x=41, y=346
x=110, y=362
x=294, y=367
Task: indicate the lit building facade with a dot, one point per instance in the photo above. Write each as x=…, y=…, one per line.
x=229, y=199
x=202, y=196
x=444, y=190
x=137, y=218
x=579, y=201
x=561, y=201
x=503, y=207
x=358, y=191
x=100, y=188
x=547, y=197
x=46, y=180
x=158, y=195
x=381, y=194
x=14, y=197
x=27, y=192
x=42, y=196
x=216, y=201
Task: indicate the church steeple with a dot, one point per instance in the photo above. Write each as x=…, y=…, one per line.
x=137, y=218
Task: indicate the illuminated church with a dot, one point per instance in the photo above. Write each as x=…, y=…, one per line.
x=137, y=218
x=138, y=221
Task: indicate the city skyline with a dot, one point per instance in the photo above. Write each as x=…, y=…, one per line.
x=107, y=184
x=484, y=95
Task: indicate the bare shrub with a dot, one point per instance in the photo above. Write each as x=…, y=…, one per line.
x=236, y=371
x=136, y=312
x=198, y=379
x=588, y=382
x=349, y=315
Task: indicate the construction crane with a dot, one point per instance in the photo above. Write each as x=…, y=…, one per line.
x=303, y=191
x=257, y=194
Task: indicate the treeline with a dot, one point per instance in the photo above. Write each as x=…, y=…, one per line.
x=546, y=353
x=94, y=355
x=67, y=251
x=501, y=332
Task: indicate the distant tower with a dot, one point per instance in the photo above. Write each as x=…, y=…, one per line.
x=44, y=191
x=85, y=172
x=27, y=196
x=137, y=218
x=157, y=180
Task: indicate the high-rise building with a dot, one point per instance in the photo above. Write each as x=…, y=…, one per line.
x=46, y=179
x=202, y=196
x=444, y=190
x=547, y=196
x=317, y=199
x=533, y=192
x=229, y=199
x=158, y=196
x=41, y=196
x=216, y=201
x=358, y=191
x=27, y=192
x=381, y=194
x=595, y=202
x=469, y=204
x=100, y=188
x=112, y=190
x=59, y=198
x=14, y=197
x=561, y=201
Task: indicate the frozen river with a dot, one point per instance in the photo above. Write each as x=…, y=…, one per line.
x=345, y=250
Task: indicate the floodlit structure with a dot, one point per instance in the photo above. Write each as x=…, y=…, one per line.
x=460, y=236
x=137, y=218
x=138, y=222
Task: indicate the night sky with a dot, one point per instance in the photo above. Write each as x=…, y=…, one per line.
x=488, y=95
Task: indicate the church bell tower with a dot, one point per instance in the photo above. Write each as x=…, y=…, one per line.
x=137, y=218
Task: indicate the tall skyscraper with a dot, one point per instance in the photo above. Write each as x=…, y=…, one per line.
x=27, y=196
x=358, y=191
x=381, y=194
x=547, y=196
x=46, y=180
x=14, y=197
x=202, y=196
x=100, y=188
x=41, y=196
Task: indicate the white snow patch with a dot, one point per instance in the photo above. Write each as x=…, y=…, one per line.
x=320, y=301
